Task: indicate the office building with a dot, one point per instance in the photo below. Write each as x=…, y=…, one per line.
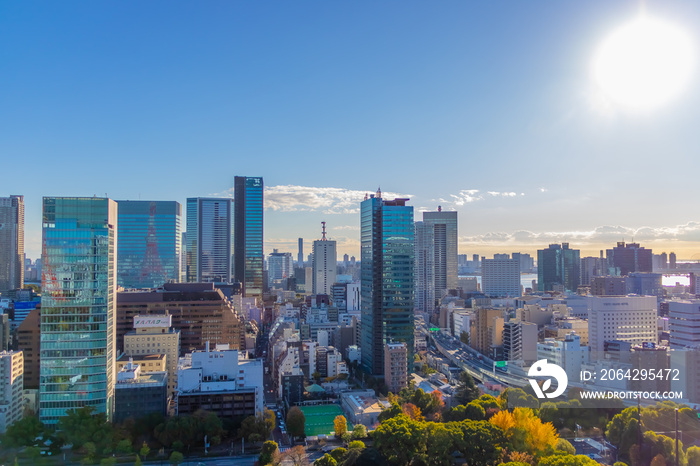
x=609, y=286
x=568, y=353
x=487, y=331
x=220, y=381
x=300, y=255
x=590, y=267
x=395, y=368
x=78, y=306
x=387, y=247
x=149, y=236
x=11, y=386
x=436, y=257
x=153, y=334
x=199, y=311
x=626, y=258
x=248, y=234
x=500, y=276
x=4, y=331
x=279, y=265
x=684, y=322
x=28, y=342
x=138, y=393
x=519, y=341
x=209, y=236
x=11, y=243
x=630, y=319
x=325, y=264
x=558, y=267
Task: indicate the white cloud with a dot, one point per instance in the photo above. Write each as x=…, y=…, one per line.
x=467, y=196
x=292, y=198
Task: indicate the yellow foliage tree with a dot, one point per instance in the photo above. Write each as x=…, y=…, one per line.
x=341, y=425
x=521, y=424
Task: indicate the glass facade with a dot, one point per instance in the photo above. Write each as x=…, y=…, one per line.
x=248, y=234
x=558, y=266
x=208, y=245
x=149, y=243
x=78, y=306
x=11, y=243
x=387, y=253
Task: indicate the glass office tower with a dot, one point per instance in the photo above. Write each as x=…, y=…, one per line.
x=248, y=234
x=11, y=243
x=77, y=306
x=387, y=252
x=558, y=266
x=208, y=240
x=149, y=243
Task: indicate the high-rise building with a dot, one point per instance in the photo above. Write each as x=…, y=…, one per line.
x=626, y=258
x=684, y=322
x=248, y=234
x=325, y=264
x=558, y=267
x=149, y=240
x=632, y=319
x=79, y=255
x=500, y=276
x=444, y=225
x=387, y=263
x=591, y=267
x=11, y=243
x=300, y=255
x=11, y=386
x=671, y=262
x=425, y=267
x=29, y=342
x=209, y=239
x=279, y=265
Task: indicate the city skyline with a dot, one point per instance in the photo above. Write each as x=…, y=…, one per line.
x=496, y=117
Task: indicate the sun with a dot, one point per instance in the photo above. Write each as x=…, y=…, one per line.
x=644, y=64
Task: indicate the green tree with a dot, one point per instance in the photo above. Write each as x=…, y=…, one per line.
x=565, y=446
x=267, y=452
x=441, y=442
x=326, y=460
x=137, y=461
x=693, y=454
x=464, y=337
x=338, y=453
x=393, y=411
x=480, y=443
x=176, y=457
x=23, y=432
x=124, y=447
x=567, y=460
x=355, y=444
x=145, y=450
x=400, y=439
x=359, y=431
x=80, y=426
x=296, y=422
x=466, y=389
x=109, y=461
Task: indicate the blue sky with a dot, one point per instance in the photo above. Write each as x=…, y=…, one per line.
x=484, y=107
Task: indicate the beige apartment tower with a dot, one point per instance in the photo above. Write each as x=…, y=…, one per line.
x=395, y=366
x=11, y=243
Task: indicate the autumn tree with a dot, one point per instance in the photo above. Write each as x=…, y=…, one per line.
x=413, y=412
x=297, y=455
x=267, y=452
x=341, y=425
x=525, y=431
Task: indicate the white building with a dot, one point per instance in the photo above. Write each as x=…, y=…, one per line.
x=11, y=387
x=209, y=375
x=353, y=353
x=461, y=319
x=567, y=353
x=325, y=264
x=626, y=318
x=684, y=339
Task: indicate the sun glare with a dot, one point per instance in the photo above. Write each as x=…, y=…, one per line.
x=644, y=64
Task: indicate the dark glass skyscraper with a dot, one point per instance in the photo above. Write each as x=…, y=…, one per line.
x=558, y=265
x=387, y=253
x=11, y=243
x=209, y=240
x=77, y=306
x=149, y=236
x=248, y=234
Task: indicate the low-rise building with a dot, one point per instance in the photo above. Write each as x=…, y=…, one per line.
x=138, y=394
x=362, y=406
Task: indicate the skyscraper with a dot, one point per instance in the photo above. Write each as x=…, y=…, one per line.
x=630, y=257
x=78, y=306
x=300, y=256
x=248, y=234
x=11, y=243
x=436, y=257
x=149, y=236
x=279, y=265
x=387, y=255
x=209, y=239
x=325, y=264
x=558, y=265
x=500, y=276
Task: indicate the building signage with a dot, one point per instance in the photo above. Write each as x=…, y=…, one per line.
x=152, y=321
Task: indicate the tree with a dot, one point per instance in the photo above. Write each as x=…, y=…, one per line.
x=480, y=443
x=525, y=431
x=256, y=428
x=693, y=454
x=296, y=422
x=338, y=453
x=413, y=412
x=359, y=431
x=80, y=426
x=137, y=461
x=355, y=444
x=326, y=460
x=109, y=461
x=176, y=457
x=565, y=446
x=464, y=337
x=466, y=389
x=23, y=432
x=341, y=425
x=393, y=411
x=124, y=447
x=567, y=460
x=400, y=439
x=267, y=452
x=297, y=455
x=144, y=451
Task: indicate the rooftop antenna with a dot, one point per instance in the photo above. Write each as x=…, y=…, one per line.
x=439, y=208
x=323, y=238
x=379, y=192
